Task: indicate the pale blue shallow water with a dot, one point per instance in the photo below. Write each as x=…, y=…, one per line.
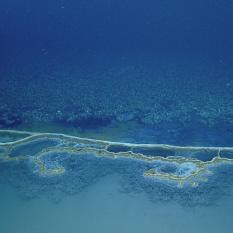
x=102, y=194
x=104, y=208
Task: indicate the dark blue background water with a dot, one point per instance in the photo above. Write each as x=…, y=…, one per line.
x=57, y=27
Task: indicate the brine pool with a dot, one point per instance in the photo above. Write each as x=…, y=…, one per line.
x=60, y=183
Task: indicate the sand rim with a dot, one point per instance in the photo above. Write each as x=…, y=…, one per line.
x=180, y=164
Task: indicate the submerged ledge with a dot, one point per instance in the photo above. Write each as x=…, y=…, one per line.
x=180, y=164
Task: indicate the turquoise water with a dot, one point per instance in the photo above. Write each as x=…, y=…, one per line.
x=59, y=183
x=104, y=208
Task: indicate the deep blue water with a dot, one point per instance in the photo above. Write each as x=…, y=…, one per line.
x=57, y=27
x=153, y=71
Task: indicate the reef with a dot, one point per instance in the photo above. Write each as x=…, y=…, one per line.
x=9, y=119
x=46, y=160
x=164, y=90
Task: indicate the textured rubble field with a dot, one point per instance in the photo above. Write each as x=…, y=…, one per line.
x=97, y=91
